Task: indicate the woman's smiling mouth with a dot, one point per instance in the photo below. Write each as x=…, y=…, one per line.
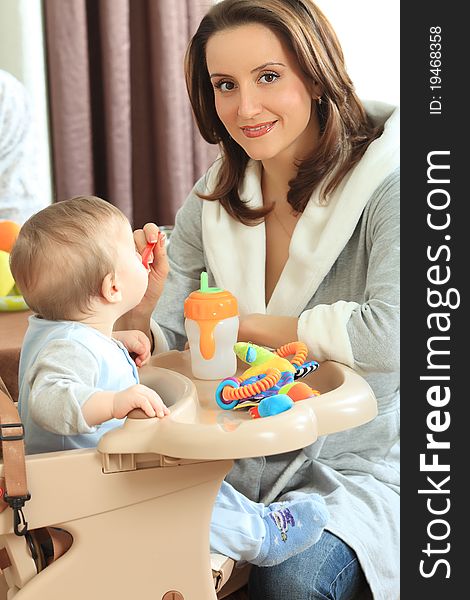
x=258, y=130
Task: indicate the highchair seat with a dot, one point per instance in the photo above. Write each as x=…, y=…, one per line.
x=139, y=509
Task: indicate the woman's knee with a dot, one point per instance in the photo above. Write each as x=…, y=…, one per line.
x=328, y=570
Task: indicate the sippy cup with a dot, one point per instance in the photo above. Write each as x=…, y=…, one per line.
x=211, y=323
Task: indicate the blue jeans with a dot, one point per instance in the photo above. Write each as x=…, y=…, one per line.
x=328, y=570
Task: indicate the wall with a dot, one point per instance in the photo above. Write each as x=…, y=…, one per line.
x=369, y=33
x=10, y=38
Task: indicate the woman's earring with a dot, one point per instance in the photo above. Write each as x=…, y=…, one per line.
x=319, y=100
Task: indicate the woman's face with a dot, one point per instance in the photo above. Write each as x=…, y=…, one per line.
x=261, y=96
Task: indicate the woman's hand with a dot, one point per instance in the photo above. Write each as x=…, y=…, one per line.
x=158, y=267
x=140, y=316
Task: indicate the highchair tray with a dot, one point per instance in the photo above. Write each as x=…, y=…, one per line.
x=197, y=429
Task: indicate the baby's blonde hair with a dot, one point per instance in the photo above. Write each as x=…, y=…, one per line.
x=63, y=253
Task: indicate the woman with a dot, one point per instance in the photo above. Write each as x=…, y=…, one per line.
x=298, y=218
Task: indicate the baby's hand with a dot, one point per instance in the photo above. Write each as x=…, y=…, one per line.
x=139, y=396
x=136, y=343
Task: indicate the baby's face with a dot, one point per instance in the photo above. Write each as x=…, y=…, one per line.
x=130, y=271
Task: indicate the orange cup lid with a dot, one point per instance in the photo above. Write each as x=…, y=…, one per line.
x=209, y=303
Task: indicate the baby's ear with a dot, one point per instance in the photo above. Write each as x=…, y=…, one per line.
x=110, y=290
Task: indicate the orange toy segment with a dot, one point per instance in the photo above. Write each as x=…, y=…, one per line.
x=298, y=349
x=251, y=389
x=287, y=387
x=8, y=233
x=301, y=391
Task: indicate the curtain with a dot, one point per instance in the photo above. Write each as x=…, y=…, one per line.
x=121, y=122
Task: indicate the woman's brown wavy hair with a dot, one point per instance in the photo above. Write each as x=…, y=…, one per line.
x=345, y=129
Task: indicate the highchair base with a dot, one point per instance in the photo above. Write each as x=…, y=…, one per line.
x=135, y=533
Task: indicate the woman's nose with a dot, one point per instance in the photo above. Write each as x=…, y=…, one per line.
x=249, y=103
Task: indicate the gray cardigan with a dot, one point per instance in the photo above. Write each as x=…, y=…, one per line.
x=342, y=281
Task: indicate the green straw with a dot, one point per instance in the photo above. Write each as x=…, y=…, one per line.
x=205, y=285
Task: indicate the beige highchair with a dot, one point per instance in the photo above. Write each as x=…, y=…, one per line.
x=135, y=512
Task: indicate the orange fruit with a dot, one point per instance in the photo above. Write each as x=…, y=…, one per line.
x=8, y=233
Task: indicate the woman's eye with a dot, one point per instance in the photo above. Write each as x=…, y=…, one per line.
x=269, y=77
x=225, y=86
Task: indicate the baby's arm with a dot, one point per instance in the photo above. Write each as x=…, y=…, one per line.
x=64, y=378
x=103, y=406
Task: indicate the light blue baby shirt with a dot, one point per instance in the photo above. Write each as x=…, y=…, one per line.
x=62, y=364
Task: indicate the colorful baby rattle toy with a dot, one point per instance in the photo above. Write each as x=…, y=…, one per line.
x=269, y=386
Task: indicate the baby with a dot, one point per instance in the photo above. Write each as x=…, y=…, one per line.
x=76, y=265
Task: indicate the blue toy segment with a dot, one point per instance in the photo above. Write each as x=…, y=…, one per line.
x=250, y=355
x=226, y=405
x=274, y=405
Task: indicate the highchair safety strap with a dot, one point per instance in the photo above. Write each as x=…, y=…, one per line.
x=14, y=465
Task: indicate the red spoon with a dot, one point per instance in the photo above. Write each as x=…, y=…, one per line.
x=147, y=254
